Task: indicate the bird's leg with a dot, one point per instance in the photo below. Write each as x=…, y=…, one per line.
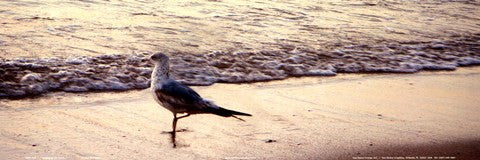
x=175, y=119
x=181, y=130
x=184, y=116
x=174, y=125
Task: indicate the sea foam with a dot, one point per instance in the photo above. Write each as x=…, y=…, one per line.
x=23, y=77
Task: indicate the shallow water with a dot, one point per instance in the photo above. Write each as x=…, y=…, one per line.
x=65, y=28
x=102, y=45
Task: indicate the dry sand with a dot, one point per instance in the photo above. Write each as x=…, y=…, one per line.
x=343, y=117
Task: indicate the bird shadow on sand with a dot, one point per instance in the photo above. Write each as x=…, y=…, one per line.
x=173, y=137
x=180, y=130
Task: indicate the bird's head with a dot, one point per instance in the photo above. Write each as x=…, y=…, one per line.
x=159, y=57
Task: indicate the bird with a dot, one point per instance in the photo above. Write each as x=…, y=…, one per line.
x=179, y=98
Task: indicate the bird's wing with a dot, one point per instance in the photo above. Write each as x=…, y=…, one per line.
x=178, y=95
x=185, y=99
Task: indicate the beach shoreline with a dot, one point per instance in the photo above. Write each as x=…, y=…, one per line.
x=86, y=46
x=322, y=79
x=349, y=116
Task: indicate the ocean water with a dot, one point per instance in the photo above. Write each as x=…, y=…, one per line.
x=78, y=46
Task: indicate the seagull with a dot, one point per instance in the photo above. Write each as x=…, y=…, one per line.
x=179, y=98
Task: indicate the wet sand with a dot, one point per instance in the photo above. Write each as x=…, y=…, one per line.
x=343, y=117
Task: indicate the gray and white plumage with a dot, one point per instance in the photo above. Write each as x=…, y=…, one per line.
x=179, y=98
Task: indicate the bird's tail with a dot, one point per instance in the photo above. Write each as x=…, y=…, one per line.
x=213, y=108
x=226, y=112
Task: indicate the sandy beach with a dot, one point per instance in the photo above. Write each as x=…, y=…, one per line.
x=349, y=116
x=322, y=79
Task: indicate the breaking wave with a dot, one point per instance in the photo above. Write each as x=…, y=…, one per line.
x=22, y=77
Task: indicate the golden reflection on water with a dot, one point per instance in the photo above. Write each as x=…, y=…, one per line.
x=63, y=28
